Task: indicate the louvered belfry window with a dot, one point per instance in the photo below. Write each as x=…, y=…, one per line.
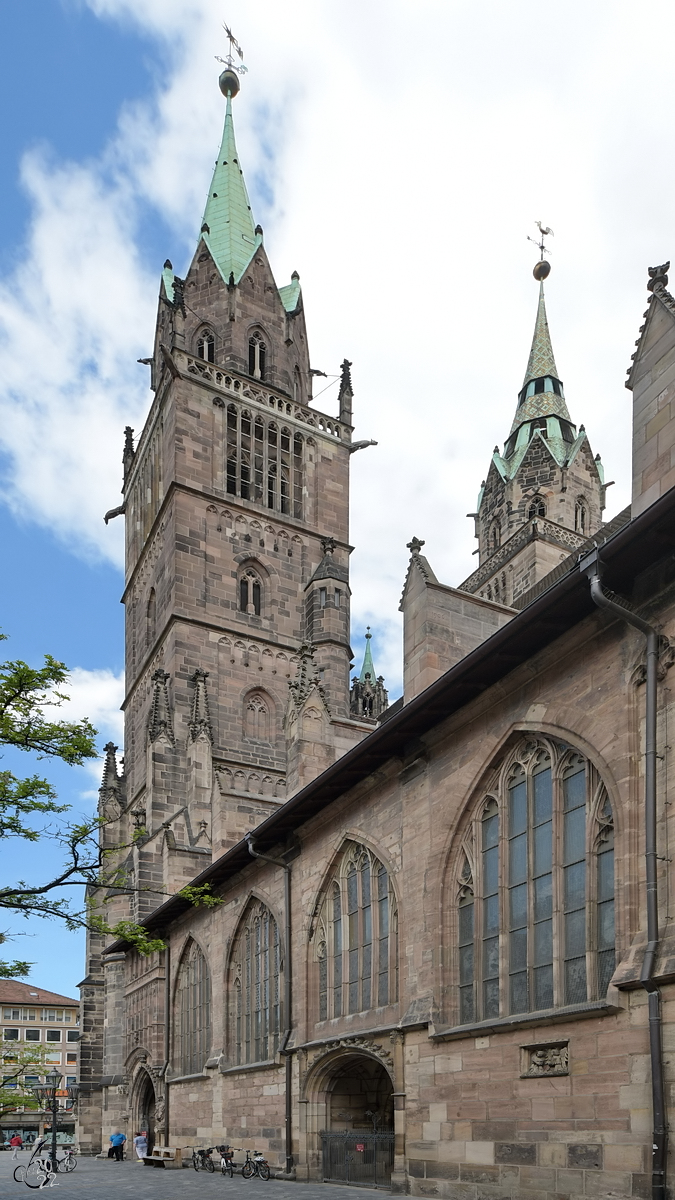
x=535, y=893
x=264, y=462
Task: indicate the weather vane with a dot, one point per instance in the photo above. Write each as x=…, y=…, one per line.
x=542, y=268
x=236, y=48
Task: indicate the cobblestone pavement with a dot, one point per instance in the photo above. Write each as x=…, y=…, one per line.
x=103, y=1179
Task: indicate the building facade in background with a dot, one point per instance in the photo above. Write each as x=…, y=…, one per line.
x=35, y=1019
x=427, y=968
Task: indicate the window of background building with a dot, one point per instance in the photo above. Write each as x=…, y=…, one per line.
x=32, y=1035
x=11, y=1035
x=73, y=1035
x=53, y=1035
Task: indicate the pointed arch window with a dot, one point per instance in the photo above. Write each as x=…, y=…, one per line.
x=357, y=937
x=581, y=516
x=206, y=346
x=537, y=508
x=151, y=617
x=258, y=717
x=250, y=593
x=257, y=356
x=535, y=912
x=495, y=539
x=256, y=999
x=193, y=1012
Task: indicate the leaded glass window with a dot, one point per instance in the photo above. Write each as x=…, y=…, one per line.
x=256, y=998
x=535, y=908
x=263, y=462
x=193, y=1012
x=357, y=937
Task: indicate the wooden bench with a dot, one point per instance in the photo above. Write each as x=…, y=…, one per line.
x=169, y=1157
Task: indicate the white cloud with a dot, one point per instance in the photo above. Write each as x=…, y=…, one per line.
x=408, y=157
x=96, y=695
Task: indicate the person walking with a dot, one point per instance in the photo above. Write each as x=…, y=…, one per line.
x=141, y=1145
x=117, y=1141
x=16, y=1143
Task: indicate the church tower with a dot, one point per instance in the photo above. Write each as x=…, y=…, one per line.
x=545, y=493
x=236, y=501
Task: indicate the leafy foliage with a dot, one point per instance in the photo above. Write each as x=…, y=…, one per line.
x=28, y=697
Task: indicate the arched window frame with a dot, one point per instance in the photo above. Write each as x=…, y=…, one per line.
x=250, y=592
x=259, y=716
x=192, y=1006
x=356, y=939
x=581, y=523
x=495, y=536
x=256, y=986
x=537, y=508
x=206, y=345
x=257, y=355
x=151, y=618
x=517, y=933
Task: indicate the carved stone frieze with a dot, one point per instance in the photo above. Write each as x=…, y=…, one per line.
x=368, y=1045
x=541, y=1060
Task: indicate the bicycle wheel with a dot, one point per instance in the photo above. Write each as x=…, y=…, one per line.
x=229, y=1167
x=20, y=1173
x=195, y=1160
x=247, y=1169
x=208, y=1163
x=263, y=1170
x=70, y=1162
x=36, y=1174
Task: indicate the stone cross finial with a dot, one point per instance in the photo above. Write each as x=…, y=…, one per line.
x=415, y=545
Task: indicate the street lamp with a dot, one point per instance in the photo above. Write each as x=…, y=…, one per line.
x=47, y=1094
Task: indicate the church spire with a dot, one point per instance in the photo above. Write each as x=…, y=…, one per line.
x=227, y=227
x=368, y=667
x=541, y=361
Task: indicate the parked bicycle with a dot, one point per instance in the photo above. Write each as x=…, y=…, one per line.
x=202, y=1161
x=227, y=1154
x=38, y=1171
x=255, y=1166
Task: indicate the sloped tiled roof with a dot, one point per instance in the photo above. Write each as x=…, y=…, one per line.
x=13, y=992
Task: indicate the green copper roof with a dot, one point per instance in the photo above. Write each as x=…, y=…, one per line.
x=541, y=365
x=541, y=360
x=368, y=667
x=227, y=227
x=290, y=293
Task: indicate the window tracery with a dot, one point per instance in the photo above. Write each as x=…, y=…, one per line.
x=193, y=1011
x=535, y=895
x=206, y=346
x=537, y=508
x=357, y=937
x=581, y=516
x=257, y=356
x=256, y=998
x=250, y=593
x=264, y=462
x=258, y=717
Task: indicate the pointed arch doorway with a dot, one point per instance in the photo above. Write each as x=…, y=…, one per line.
x=352, y=1098
x=145, y=1111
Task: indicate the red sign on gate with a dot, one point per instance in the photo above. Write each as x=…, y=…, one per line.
x=360, y=1146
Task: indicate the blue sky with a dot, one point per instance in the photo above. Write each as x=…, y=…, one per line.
x=399, y=165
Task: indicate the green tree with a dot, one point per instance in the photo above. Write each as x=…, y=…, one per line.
x=29, y=810
x=18, y=1060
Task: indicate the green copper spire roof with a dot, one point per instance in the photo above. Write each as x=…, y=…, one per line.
x=541, y=361
x=368, y=667
x=227, y=227
x=544, y=398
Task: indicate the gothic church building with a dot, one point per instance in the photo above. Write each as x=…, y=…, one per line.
x=442, y=957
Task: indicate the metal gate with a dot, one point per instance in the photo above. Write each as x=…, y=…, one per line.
x=362, y=1158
